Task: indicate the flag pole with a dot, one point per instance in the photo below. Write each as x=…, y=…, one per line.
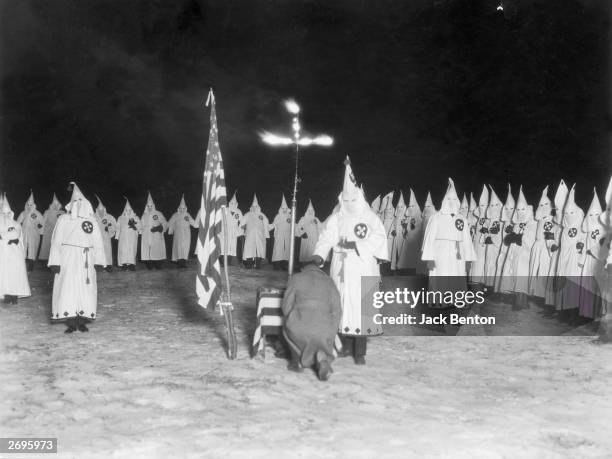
x=293, y=212
x=226, y=306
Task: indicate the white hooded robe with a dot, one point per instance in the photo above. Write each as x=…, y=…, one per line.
x=32, y=223
x=256, y=231
x=152, y=241
x=282, y=233
x=13, y=273
x=128, y=228
x=50, y=217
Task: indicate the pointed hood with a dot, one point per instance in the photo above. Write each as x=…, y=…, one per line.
x=5, y=207
x=150, y=206
x=400, y=208
x=375, y=206
x=428, y=208
x=413, y=209
x=509, y=205
x=30, y=205
x=127, y=209
x=572, y=214
x=465, y=206
x=386, y=208
x=591, y=219
x=483, y=203
x=55, y=204
x=182, y=208
x=255, y=204
x=561, y=197
x=284, y=208
x=79, y=206
x=310, y=211
x=606, y=216
x=494, y=210
x=353, y=200
x=523, y=212
x=450, y=204
x=100, y=209
x=233, y=204
x=545, y=206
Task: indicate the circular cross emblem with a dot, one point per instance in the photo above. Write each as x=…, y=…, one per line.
x=155, y=217
x=482, y=221
x=33, y=216
x=594, y=234
x=186, y=219
x=12, y=228
x=236, y=216
x=459, y=224
x=572, y=232
x=87, y=227
x=314, y=221
x=361, y=230
x=548, y=226
x=104, y=222
x=288, y=220
x=522, y=225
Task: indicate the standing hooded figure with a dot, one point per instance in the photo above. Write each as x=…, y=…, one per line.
x=539, y=263
x=308, y=229
x=13, y=275
x=447, y=245
x=128, y=229
x=282, y=236
x=472, y=217
x=256, y=229
x=493, y=239
x=179, y=227
x=375, y=206
x=428, y=211
x=108, y=228
x=50, y=217
x=571, y=256
x=32, y=223
x=593, y=264
x=550, y=297
x=397, y=231
x=76, y=248
x=152, y=242
x=478, y=270
x=464, y=209
x=508, y=228
x=514, y=278
x=358, y=240
x=410, y=255
x=233, y=217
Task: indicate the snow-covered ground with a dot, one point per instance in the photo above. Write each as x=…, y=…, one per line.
x=151, y=379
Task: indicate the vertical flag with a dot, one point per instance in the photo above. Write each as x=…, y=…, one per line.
x=213, y=203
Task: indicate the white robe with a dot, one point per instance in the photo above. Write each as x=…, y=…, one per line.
x=569, y=267
x=50, y=217
x=13, y=273
x=514, y=269
x=539, y=262
x=410, y=253
x=128, y=239
x=256, y=231
x=179, y=227
x=593, y=271
x=108, y=228
x=282, y=236
x=310, y=226
x=76, y=247
x=348, y=267
x=32, y=224
x=153, y=244
x=496, y=234
x=233, y=217
x=397, y=234
x=550, y=295
x=478, y=269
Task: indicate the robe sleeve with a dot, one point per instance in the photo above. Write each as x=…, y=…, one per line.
x=192, y=222
x=99, y=255
x=375, y=245
x=429, y=247
x=55, y=257
x=328, y=237
x=171, y=223
x=40, y=220
x=112, y=225
x=163, y=222
x=299, y=229
x=118, y=228
x=196, y=223
x=21, y=217
x=266, y=226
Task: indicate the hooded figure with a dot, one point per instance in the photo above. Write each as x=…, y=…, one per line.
x=478, y=270
x=358, y=240
x=233, y=217
x=76, y=248
x=152, y=242
x=282, y=236
x=179, y=227
x=464, y=209
x=108, y=228
x=545, y=242
x=256, y=231
x=32, y=224
x=428, y=210
x=447, y=245
x=508, y=228
x=308, y=229
x=605, y=275
x=519, y=242
x=50, y=217
x=472, y=217
x=13, y=275
x=493, y=239
x=128, y=228
x=550, y=297
x=412, y=228
x=388, y=216
x=593, y=264
x=571, y=255
x=397, y=231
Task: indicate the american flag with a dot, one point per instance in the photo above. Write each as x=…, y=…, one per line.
x=213, y=203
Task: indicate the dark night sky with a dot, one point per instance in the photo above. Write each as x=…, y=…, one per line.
x=109, y=93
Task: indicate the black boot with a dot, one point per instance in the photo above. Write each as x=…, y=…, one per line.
x=148, y=265
x=124, y=267
x=157, y=264
x=109, y=269
x=132, y=267
x=294, y=363
x=81, y=324
x=360, y=350
x=71, y=326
